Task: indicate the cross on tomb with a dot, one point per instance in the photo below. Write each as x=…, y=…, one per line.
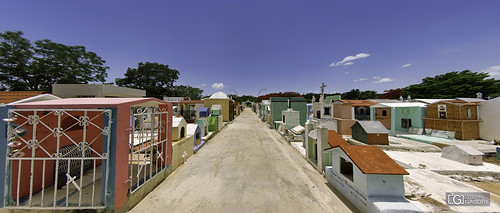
x=323, y=85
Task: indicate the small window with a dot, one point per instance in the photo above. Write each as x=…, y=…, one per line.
x=182, y=132
x=327, y=111
x=361, y=111
x=442, y=115
x=405, y=123
x=469, y=112
x=346, y=169
x=284, y=119
x=384, y=112
x=318, y=114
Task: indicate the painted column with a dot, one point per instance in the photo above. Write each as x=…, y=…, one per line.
x=393, y=121
x=121, y=156
x=4, y=176
x=372, y=113
x=107, y=194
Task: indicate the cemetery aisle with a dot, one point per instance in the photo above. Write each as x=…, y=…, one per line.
x=246, y=167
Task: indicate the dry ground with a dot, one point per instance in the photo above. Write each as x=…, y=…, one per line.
x=245, y=168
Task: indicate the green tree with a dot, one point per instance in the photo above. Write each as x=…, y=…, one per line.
x=56, y=63
x=157, y=79
x=353, y=94
x=15, y=54
x=368, y=94
x=188, y=91
x=455, y=84
x=24, y=67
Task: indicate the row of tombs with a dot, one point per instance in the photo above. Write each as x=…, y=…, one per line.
x=365, y=174
x=95, y=153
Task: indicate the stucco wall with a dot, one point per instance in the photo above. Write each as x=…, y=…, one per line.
x=277, y=107
x=385, y=120
x=488, y=113
x=178, y=149
x=380, y=139
x=385, y=185
x=416, y=114
x=223, y=102
x=343, y=111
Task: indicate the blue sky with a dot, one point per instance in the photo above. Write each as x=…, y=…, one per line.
x=246, y=46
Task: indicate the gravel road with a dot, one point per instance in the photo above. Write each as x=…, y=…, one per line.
x=245, y=168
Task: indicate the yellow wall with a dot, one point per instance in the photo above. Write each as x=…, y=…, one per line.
x=178, y=148
x=223, y=102
x=176, y=131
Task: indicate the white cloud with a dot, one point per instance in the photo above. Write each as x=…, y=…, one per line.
x=361, y=79
x=347, y=72
x=348, y=60
x=203, y=85
x=493, y=71
x=406, y=65
x=218, y=86
x=376, y=77
x=384, y=80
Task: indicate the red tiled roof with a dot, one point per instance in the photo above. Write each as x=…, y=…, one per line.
x=335, y=140
x=191, y=102
x=11, y=96
x=369, y=159
x=356, y=103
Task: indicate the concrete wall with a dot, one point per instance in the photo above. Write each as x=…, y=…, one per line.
x=456, y=154
x=488, y=113
x=359, y=182
x=320, y=107
x=385, y=185
x=344, y=126
x=358, y=133
x=178, y=149
x=277, y=107
x=292, y=118
x=343, y=111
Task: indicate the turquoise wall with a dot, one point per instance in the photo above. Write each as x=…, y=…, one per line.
x=416, y=114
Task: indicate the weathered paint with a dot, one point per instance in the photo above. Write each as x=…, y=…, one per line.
x=3, y=151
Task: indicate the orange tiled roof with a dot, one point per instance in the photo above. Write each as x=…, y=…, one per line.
x=356, y=103
x=11, y=96
x=369, y=159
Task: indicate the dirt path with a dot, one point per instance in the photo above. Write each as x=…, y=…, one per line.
x=244, y=168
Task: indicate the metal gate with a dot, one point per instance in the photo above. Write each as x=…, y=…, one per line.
x=148, y=145
x=57, y=158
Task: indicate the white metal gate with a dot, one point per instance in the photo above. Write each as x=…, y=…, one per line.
x=57, y=158
x=148, y=145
